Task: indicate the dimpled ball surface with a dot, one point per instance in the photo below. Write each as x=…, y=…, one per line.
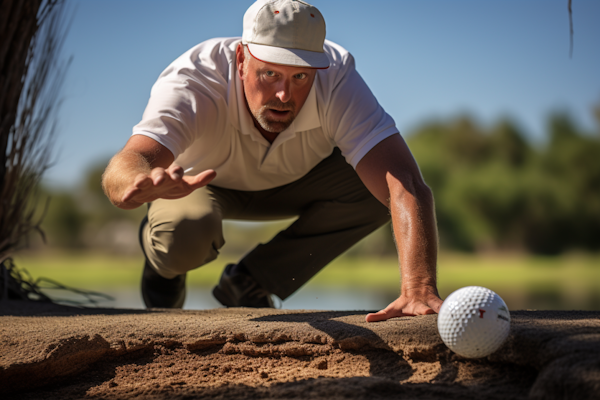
x=474, y=321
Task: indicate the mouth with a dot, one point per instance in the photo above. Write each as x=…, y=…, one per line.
x=279, y=113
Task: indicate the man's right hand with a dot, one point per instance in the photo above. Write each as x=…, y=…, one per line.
x=144, y=171
x=163, y=183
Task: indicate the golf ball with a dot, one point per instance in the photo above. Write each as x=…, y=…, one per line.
x=474, y=321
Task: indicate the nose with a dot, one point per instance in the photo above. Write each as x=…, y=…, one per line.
x=283, y=91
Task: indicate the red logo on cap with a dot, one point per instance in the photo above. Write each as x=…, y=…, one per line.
x=276, y=12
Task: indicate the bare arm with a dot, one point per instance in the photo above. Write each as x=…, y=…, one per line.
x=390, y=172
x=144, y=171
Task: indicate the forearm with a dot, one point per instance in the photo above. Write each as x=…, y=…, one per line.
x=415, y=232
x=392, y=175
x=121, y=173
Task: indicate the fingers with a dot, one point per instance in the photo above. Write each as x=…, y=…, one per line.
x=175, y=172
x=159, y=175
x=384, y=315
x=164, y=179
x=129, y=195
x=431, y=305
x=407, y=307
x=395, y=309
x=423, y=309
x=202, y=179
x=146, y=188
x=167, y=183
x=376, y=317
x=436, y=304
x=141, y=182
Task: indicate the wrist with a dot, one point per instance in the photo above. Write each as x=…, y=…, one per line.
x=421, y=288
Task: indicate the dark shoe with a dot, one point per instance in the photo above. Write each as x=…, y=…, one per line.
x=159, y=292
x=238, y=289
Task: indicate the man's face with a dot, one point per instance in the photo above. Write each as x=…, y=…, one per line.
x=275, y=93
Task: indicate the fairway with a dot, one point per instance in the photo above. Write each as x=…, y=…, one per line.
x=525, y=282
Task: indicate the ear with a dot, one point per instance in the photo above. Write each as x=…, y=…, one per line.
x=239, y=57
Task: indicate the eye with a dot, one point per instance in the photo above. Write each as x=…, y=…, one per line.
x=269, y=73
x=301, y=75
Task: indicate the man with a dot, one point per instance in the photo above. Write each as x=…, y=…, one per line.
x=275, y=125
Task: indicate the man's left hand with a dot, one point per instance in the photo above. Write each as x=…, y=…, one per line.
x=418, y=301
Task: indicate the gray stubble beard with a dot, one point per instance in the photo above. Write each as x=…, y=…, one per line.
x=274, y=126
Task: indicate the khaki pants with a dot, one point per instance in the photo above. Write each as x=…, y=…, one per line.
x=334, y=209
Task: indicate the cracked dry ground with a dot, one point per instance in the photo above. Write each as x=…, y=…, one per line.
x=55, y=352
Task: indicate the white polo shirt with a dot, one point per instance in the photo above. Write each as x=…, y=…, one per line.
x=197, y=110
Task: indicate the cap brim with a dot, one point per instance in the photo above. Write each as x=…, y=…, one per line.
x=292, y=57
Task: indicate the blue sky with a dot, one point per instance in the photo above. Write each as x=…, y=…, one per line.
x=422, y=59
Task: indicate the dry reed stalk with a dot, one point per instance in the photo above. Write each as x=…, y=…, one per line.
x=31, y=76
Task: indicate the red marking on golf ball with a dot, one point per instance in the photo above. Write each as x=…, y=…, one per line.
x=481, y=312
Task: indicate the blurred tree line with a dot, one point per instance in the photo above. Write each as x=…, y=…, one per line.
x=494, y=189
x=82, y=218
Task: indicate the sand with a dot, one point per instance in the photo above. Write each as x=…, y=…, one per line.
x=57, y=352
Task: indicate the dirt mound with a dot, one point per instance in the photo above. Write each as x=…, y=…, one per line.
x=56, y=352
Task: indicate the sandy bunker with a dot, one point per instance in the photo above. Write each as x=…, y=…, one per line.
x=57, y=352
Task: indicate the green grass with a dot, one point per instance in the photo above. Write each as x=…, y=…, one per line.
x=564, y=282
x=556, y=282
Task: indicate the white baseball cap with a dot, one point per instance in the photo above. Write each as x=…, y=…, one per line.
x=286, y=32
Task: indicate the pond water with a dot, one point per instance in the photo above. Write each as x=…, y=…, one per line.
x=201, y=298
x=343, y=299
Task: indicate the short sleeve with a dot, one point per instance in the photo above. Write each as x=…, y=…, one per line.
x=353, y=118
x=185, y=100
